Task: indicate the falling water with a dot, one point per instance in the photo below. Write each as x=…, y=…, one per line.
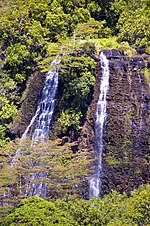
x=44, y=115
x=45, y=107
x=137, y=124
x=95, y=182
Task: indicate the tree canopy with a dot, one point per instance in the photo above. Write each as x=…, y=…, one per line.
x=113, y=209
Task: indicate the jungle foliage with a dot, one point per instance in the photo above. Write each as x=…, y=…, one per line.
x=77, y=85
x=32, y=32
x=66, y=170
x=113, y=209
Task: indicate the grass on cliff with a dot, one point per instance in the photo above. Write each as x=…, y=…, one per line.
x=146, y=72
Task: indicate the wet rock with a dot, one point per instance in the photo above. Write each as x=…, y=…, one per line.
x=126, y=134
x=29, y=104
x=114, y=53
x=125, y=165
x=141, y=50
x=148, y=65
x=86, y=140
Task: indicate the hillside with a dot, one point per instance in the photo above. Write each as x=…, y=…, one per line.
x=51, y=76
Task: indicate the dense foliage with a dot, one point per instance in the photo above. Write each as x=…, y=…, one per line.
x=113, y=209
x=55, y=159
x=27, y=30
x=77, y=84
x=133, y=23
x=32, y=33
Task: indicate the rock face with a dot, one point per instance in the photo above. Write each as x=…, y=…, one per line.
x=29, y=104
x=86, y=140
x=125, y=156
x=126, y=150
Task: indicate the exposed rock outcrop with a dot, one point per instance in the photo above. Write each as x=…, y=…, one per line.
x=29, y=101
x=86, y=140
x=125, y=160
x=126, y=140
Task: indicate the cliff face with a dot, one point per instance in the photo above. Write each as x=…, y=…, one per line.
x=126, y=150
x=125, y=157
x=126, y=141
x=29, y=101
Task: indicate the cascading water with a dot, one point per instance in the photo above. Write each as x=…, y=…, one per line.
x=45, y=107
x=95, y=182
x=138, y=123
x=44, y=114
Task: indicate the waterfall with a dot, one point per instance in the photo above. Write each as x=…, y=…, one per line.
x=137, y=123
x=44, y=115
x=95, y=182
x=45, y=107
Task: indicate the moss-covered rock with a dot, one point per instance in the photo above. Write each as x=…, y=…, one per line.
x=125, y=156
x=29, y=104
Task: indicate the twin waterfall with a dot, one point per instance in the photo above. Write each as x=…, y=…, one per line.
x=43, y=117
x=95, y=183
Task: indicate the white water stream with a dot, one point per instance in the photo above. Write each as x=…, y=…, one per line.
x=95, y=182
x=43, y=116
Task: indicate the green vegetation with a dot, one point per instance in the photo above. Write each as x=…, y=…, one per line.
x=77, y=81
x=32, y=33
x=64, y=169
x=113, y=209
x=146, y=72
x=133, y=23
x=68, y=120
